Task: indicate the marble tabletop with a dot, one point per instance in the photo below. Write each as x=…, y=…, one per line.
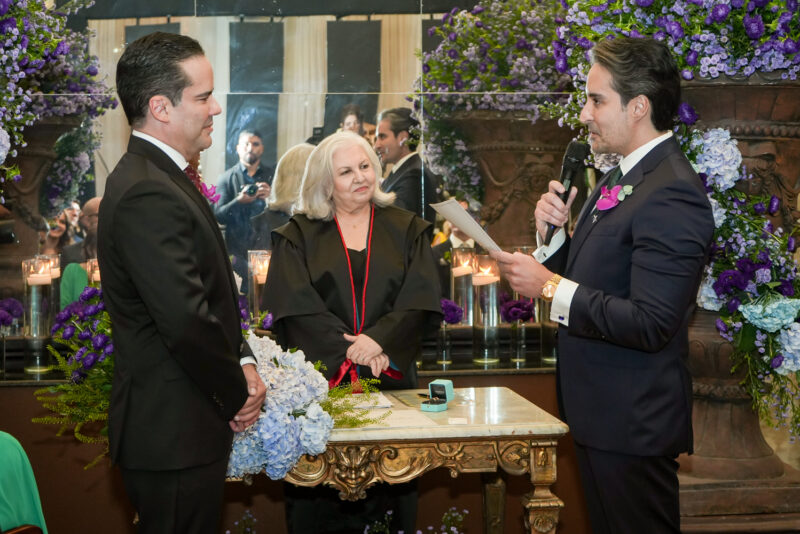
x=473, y=413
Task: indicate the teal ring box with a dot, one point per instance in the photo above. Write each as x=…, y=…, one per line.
x=440, y=392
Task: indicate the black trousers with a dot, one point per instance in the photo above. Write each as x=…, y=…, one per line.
x=629, y=494
x=319, y=510
x=183, y=500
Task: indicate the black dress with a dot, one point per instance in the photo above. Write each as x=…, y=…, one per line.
x=310, y=297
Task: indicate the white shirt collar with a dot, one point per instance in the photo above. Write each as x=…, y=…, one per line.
x=401, y=161
x=173, y=154
x=628, y=162
x=459, y=243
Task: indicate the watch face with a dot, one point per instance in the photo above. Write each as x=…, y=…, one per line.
x=548, y=290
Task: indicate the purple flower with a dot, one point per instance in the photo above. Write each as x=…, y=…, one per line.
x=91, y=310
x=687, y=114
x=99, y=341
x=108, y=349
x=790, y=46
x=5, y=318
x=68, y=332
x=774, y=205
x=691, y=58
x=77, y=376
x=7, y=25
x=79, y=353
x=786, y=288
x=12, y=306
x=776, y=361
x=89, y=360
x=516, y=310
x=452, y=53
x=674, y=29
x=5, y=5
x=644, y=3
x=791, y=244
x=737, y=3
x=431, y=31
x=452, y=36
x=720, y=12
x=733, y=305
x=753, y=26
x=477, y=9
x=721, y=326
x=63, y=315
x=728, y=280
x=91, y=70
x=759, y=208
x=83, y=335
x=88, y=293
x=452, y=311
x=266, y=323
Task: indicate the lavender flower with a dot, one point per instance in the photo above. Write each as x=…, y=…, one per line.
x=516, y=310
x=452, y=311
x=687, y=114
x=266, y=322
x=5, y=318
x=753, y=26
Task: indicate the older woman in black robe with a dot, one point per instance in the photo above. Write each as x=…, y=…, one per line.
x=353, y=283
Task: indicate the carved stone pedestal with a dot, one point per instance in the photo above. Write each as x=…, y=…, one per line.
x=733, y=471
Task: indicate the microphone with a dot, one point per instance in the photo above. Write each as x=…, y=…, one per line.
x=570, y=167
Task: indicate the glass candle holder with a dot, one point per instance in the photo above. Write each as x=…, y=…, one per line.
x=36, y=280
x=485, y=284
x=257, y=268
x=93, y=272
x=55, y=283
x=462, y=262
x=521, y=330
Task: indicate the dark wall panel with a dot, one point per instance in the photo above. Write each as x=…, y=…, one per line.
x=134, y=32
x=259, y=112
x=430, y=42
x=256, y=57
x=120, y=9
x=284, y=8
x=335, y=102
x=354, y=57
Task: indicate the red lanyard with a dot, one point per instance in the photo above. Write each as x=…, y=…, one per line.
x=358, y=327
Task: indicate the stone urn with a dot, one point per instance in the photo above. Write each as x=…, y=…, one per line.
x=516, y=158
x=733, y=470
x=22, y=197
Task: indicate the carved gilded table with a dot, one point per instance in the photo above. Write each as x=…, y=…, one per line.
x=482, y=429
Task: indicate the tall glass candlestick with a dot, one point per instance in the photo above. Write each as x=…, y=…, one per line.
x=485, y=282
x=257, y=268
x=54, y=260
x=93, y=272
x=38, y=299
x=461, y=281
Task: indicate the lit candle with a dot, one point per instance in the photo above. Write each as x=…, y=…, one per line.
x=261, y=269
x=462, y=270
x=55, y=272
x=483, y=278
x=96, y=275
x=38, y=279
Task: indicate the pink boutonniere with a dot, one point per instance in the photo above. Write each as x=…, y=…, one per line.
x=210, y=192
x=610, y=198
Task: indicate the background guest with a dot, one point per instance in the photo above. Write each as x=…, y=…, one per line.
x=243, y=190
x=285, y=188
x=352, y=283
x=396, y=141
x=87, y=248
x=65, y=230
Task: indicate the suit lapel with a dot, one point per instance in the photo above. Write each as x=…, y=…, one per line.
x=397, y=174
x=179, y=178
x=633, y=178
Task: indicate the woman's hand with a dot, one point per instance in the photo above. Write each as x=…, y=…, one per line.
x=363, y=349
x=379, y=364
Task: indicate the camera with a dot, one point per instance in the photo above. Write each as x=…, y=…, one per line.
x=252, y=189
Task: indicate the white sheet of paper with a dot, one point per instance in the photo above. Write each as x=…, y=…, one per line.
x=452, y=211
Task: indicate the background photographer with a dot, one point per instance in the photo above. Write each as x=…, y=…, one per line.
x=243, y=190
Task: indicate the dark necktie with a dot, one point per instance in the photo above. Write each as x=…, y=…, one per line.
x=613, y=176
x=194, y=176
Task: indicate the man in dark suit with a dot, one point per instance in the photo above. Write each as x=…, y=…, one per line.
x=184, y=378
x=630, y=276
x=396, y=143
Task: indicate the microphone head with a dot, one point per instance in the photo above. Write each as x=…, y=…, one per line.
x=575, y=154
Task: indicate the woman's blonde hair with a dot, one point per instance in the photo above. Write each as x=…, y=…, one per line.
x=288, y=177
x=316, y=192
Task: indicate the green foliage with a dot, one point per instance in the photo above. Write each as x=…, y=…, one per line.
x=342, y=404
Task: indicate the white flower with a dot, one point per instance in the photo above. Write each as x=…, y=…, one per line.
x=706, y=296
x=719, y=159
x=719, y=212
x=5, y=145
x=789, y=340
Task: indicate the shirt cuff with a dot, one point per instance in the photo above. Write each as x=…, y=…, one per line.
x=562, y=300
x=248, y=359
x=545, y=251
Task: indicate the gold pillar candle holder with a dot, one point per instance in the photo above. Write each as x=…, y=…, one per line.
x=485, y=284
x=461, y=270
x=257, y=269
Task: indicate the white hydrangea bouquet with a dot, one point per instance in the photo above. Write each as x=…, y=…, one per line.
x=299, y=413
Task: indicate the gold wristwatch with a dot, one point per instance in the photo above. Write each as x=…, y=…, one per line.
x=549, y=288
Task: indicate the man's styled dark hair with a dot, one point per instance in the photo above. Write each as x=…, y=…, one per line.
x=642, y=66
x=150, y=66
x=401, y=120
x=250, y=132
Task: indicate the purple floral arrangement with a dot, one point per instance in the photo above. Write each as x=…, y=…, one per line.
x=452, y=311
x=10, y=309
x=512, y=311
x=492, y=57
x=32, y=38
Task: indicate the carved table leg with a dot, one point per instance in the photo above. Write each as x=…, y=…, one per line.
x=494, y=502
x=542, y=506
